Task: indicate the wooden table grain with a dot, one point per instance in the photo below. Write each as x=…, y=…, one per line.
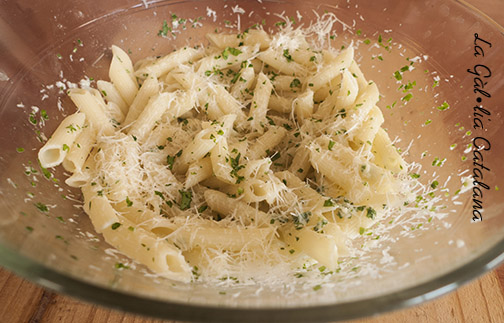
x=21, y=301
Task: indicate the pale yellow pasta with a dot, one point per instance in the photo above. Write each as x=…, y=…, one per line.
x=198, y=172
x=321, y=247
x=266, y=142
x=303, y=106
x=94, y=110
x=259, y=105
x=226, y=59
x=57, y=147
x=243, y=83
x=301, y=162
x=122, y=75
x=220, y=156
x=165, y=64
x=248, y=38
x=386, y=155
x=338, y=101
x=150, y=87
x=286, y=82
x=265, y=148
x=111, y=94
x=277, y=60
x=152, y=113
x=80, y=150
x=246, y=214
x=341, y=62
x=156, y=254
x=364, y=136
x=228, y=104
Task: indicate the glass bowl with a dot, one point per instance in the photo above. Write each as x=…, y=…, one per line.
x=47, y=238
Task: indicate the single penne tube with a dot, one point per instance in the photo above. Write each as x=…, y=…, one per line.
x=228, y=58
x=354, y=69
x=122, y=75
x=267, y=142
x=358, y=112
x=305, y=56
x=78, y=179
x=248, y=38
x=281, y=61
x=303, y=106
x=331, y=168
x=228, y=104
x=233, y=238
x=169, y=62
x=338, y=101
x=259, y=105
x=257, y=190
x=114, y=112
x=301, y=165
x=364, y=136
x=152, y=113
x=198, y=172
x=80, y=149
x=326, y=74
x=57, y=147
x=319, y=246
x=227, y=206
x=386, y=155
x=195, y=150
x=149, y=88
x=243, y=83
x=220, y=157
x=111, y=94
x=94, y=110
x=184, y=102
x=287, y=83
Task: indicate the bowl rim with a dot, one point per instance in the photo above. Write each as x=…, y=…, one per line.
x=123, y=301
x=120, y=300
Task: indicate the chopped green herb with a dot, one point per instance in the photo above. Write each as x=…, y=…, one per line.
x=115, y=225
x=43, y=114
x=170, y=160
x=328, y=203
x=414, y=175
x=119, y=265
x=295, y=83
x=443, y=106
x=331, y=144
x=20, y=150
x=42, y=207
x=370, y=213
x=287, y=55
x=407, y=97
x=129, y=203
x=186, y=198
x=434, y=184
x=164, y=29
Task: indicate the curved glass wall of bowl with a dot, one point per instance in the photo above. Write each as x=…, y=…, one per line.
x=45, y=235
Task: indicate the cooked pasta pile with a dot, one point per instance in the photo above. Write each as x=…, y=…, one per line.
x=258, y=150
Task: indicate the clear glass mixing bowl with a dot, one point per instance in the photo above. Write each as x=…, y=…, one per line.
x=45, y=44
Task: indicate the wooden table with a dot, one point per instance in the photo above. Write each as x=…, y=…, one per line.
x=22, y=301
